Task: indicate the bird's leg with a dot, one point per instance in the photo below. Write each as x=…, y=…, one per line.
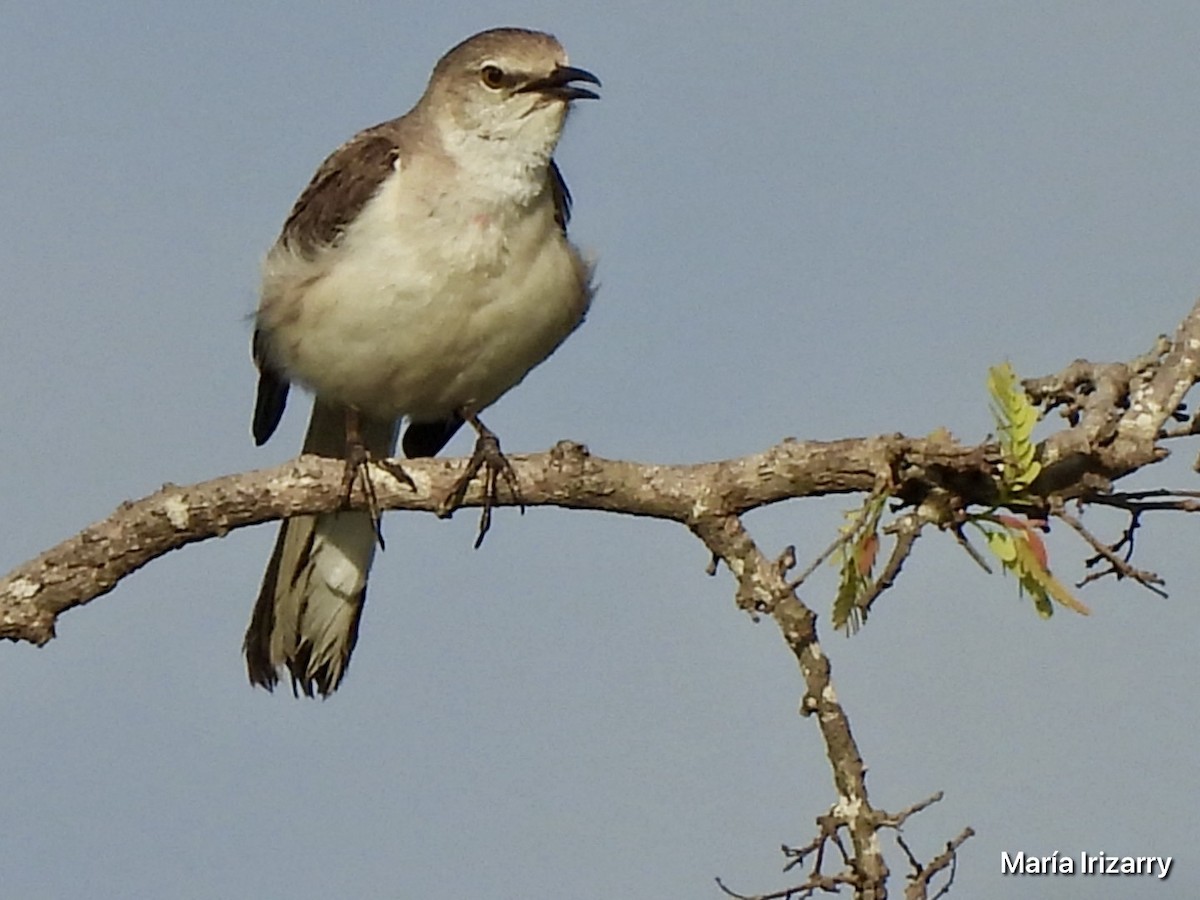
x=487, y=456
x=358, y=461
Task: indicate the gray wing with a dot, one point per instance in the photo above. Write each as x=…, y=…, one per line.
x=271, y=397
x=340, y=188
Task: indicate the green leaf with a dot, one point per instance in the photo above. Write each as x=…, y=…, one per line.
x=851, y=586
x=1022, y=552
x=1015, y=419
x=1003, y=546
x=855, y=558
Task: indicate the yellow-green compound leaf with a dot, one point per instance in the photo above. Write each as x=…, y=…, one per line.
x=1002, y=545
x=1031, y=578
x=1059, y=592
x=1021, y=551
x=1015, y=418
x=1040, y=582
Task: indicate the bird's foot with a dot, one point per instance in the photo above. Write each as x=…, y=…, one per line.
x=496, y=468
x=358, y=467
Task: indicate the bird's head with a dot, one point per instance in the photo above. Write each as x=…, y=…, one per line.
x=507, y=84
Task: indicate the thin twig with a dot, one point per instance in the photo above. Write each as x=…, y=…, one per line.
x=826, y=883
x=1118, y=566
x=816, y=563
x=1149, y=501
x=918, y=886
x=895, y=820
x=970, y=549
x=908, y=529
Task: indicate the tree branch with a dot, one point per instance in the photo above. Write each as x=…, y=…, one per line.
x=1116, y=417
x=91, y=563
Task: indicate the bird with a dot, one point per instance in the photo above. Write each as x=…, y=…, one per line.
x=421, y=274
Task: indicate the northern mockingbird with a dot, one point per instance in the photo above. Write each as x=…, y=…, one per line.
x=421, y=274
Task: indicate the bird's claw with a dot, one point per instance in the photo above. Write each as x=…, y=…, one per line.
x=496, y=468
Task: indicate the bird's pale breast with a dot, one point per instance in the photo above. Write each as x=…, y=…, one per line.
x=399, y=320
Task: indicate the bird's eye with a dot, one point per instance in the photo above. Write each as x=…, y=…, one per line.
x=492, y=76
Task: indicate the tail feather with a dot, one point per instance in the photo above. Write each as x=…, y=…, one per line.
x=312, y=596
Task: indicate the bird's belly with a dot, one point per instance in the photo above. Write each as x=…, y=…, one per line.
x=366, y=335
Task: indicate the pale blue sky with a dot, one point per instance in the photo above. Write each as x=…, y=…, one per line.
x=819, y=220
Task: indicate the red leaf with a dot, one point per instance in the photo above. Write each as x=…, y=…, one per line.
x=1038, y=546
x=868, y=547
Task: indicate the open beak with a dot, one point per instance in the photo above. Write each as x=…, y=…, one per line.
x=558, y=84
